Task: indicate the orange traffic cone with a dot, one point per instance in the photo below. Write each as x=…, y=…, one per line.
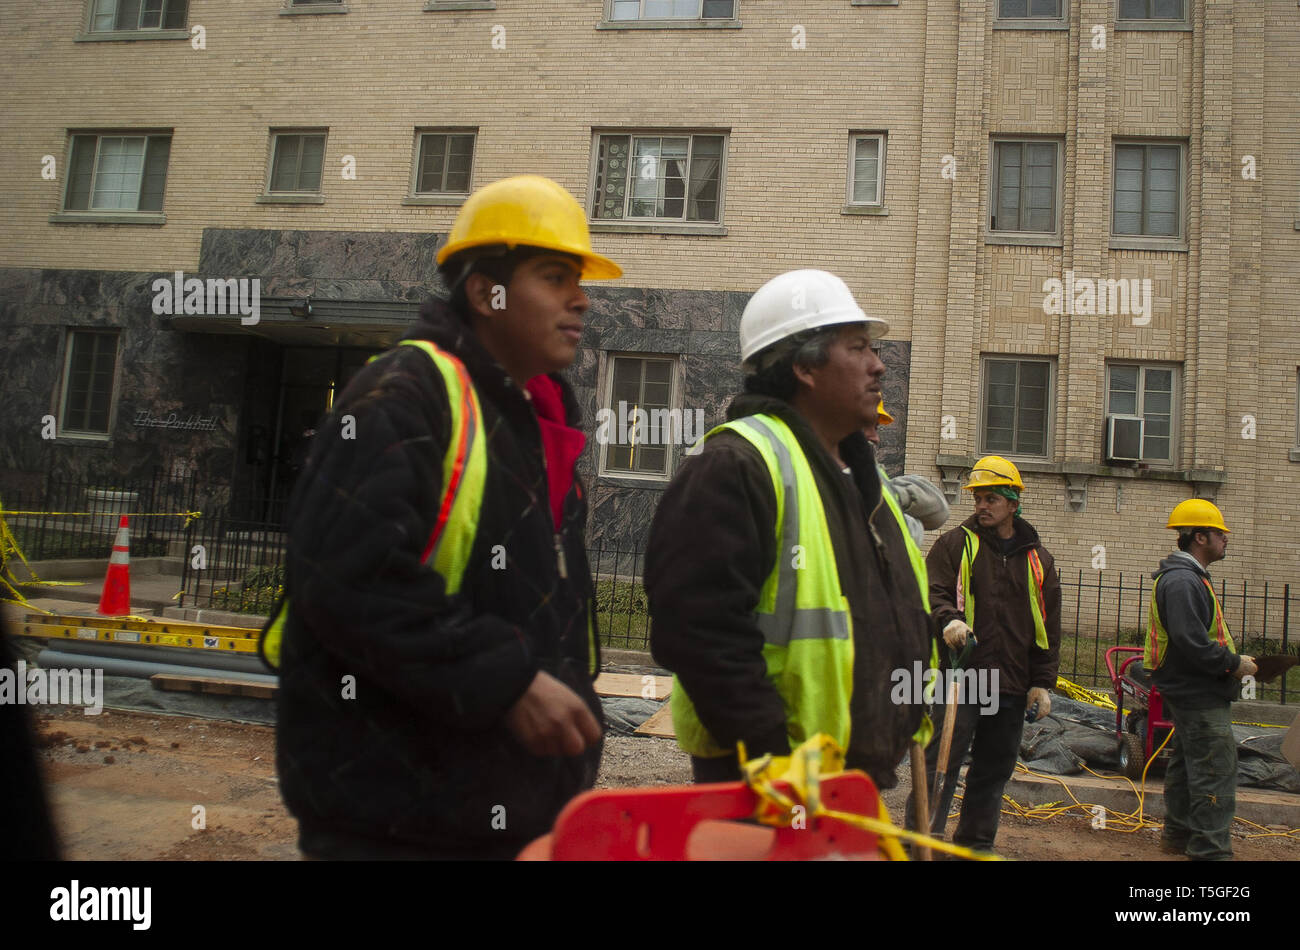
x=115, y=601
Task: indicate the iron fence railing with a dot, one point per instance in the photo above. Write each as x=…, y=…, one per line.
x=78, y=517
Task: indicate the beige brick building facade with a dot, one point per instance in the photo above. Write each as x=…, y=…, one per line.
x=787, y=85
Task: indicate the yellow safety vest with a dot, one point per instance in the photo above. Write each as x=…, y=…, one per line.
x=966, y=596
x=802, y=611
x=1158, y=638
x=464, y=470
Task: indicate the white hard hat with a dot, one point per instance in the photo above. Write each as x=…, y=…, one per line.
x=796, y=301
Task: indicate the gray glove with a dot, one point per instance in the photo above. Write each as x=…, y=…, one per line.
x=918, y=497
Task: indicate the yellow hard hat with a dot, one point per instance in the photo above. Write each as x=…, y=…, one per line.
x=885, y=418
x=531, y=210
x=994, y=470
x=1196, y=513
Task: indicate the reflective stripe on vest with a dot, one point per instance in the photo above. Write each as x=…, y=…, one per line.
x=464, y=469
x=917, y=559
x=1158, y=637
x=966, y=596
x=801, y=610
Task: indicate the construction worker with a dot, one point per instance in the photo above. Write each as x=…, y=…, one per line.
x=923, y=505
x=436, y=694
x=1195, y=665
x=783, y=587
x=992, y=575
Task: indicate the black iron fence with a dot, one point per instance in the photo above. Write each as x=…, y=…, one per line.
x=78, y=518
x=233, y=564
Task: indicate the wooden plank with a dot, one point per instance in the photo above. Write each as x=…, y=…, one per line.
x=660, y=724
x=213, y=685
x=632, y=684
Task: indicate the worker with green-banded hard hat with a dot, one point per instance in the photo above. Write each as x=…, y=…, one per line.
x=439, y=641
x=993, y=576
x=1194, y=663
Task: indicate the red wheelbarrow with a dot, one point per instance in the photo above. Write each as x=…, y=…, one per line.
x=1144, y=729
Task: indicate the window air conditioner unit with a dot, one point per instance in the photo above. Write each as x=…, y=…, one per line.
x=1124, y=438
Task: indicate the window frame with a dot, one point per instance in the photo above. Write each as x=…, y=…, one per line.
x=854, y=137
x=294, y=197
x=608, y=22
x=604, y=397
x=1059, y=22
x=440, y=197
x=89, y=215
x=1142, y=242
x=1175, y=407
x=1052, y=238
x=69, y=345
x=1049, y=418
x=657, y=225
x=160, y=32
x=1183, y=22
x=292, y=7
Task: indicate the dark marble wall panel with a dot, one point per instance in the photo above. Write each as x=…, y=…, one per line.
x=897, y=357
x=161, y=371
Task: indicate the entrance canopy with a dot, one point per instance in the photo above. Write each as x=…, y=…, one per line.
x=363, y=323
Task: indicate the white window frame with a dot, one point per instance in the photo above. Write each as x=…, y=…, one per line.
x=1002, y=235
x=642, y=18
x=93, y=13
x=1174, y=406
x=605, y=391
x=1029, y=21
x=1049, y=420
x=270, y=161
x=1176, y=241
x=69, y=343
x=420, y=134
x=684, y=223
x=854, y=139
x=1183, y=22
x=68, y=213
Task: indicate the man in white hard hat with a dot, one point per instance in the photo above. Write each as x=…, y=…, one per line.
x=784, y=589
x=1193, y=660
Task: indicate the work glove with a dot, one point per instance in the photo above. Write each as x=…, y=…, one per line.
x=955, y=634
x=918, y=497
x=1246, y=668
x=1043, y=698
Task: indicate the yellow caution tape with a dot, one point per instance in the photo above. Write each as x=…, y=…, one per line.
x=821, y=757
x=1083, y=694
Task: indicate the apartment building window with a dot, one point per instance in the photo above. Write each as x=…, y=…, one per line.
x=1146, y=392
x=120, y=16
x=1030, y=9
x=1148, y=190
x=1025, y=181
x=117, y=172
x=642, y=426
x=1017, y=402
x=1151, y=10
x=444, y=163
x=296, y=162
x=658, y=177
x=866, y=169
x=89, y=371
x=672, y=9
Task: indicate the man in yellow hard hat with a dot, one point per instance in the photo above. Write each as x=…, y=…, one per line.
x=1195, y=665
x=784, y=589
x=439, y=650
x=992, y=575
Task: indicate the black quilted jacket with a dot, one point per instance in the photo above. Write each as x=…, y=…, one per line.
x=420, y=763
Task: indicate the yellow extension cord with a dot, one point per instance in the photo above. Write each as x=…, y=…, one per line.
x=1127, y=822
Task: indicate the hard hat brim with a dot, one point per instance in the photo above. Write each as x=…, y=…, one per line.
x=594, y=266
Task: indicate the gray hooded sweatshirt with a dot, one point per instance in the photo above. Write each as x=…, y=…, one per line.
x=1196, y=671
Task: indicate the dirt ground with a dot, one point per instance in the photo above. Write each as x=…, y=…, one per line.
x=125, y=786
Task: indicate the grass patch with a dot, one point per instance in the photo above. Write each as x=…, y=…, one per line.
x=622, y=614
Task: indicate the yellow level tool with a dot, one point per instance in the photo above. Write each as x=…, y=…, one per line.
x=144, y=633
